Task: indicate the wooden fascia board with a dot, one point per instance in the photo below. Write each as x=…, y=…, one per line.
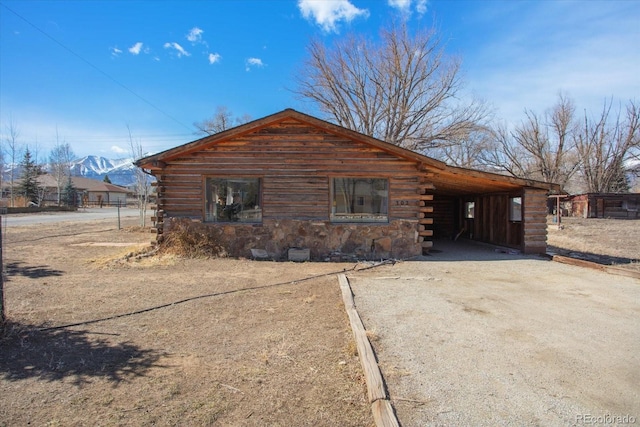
x=494, y=177
x=199, y=144
x=152, y=164
x=473, y=186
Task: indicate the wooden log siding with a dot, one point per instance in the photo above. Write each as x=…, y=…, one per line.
x=425, y=214
x=297, y=155
x=296, y=163
x=534, y=211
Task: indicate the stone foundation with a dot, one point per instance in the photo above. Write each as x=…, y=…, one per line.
x=326, y=240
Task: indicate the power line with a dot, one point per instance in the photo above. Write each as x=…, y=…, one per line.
x=122, y=85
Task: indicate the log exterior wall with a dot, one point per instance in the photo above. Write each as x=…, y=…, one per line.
x=296, y=156
x=296, y=163
x=535, y=221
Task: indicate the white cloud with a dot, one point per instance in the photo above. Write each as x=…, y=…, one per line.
x=195, y=35
x=136, y=48
x=404, y=6
x=253, y=62
x=214, y=57
x=179, y=49
x=118, y=150
x=115, y=51
x=328, y=13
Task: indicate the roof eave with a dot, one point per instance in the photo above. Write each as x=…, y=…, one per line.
x=520, y=182
x=158, y=161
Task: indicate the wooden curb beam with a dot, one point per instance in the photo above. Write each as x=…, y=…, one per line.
x=593, y=265
x=381, y=408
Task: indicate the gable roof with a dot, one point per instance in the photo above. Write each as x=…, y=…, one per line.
x=447, y=178
x=82, y=183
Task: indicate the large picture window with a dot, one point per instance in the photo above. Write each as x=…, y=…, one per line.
x=233, y=200
x=359, y=200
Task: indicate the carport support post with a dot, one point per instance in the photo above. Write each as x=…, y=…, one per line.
x=118, y=214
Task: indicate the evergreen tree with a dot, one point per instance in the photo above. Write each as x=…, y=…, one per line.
x=30, y=172
x=69, y=193
x=106, y=179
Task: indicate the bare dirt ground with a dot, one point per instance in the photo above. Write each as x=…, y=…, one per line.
x=605, y=241
x=463, y=338
x=225, y=348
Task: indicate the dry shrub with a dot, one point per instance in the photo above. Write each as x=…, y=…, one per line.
x=190, y=239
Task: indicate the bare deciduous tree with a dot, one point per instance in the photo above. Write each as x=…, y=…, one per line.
x=469, y=152
x=141, y=179
x=221, y=120
x=13, y=149
x=541, y=147
x=604, y=145
x=60, y=160
x=403, y=89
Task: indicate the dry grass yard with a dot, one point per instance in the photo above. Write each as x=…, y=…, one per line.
x=235, y=343
x=608, y=241
x=168, y=341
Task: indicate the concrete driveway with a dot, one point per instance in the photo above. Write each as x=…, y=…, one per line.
x=473, y=337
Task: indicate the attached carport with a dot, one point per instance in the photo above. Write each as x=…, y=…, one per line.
x=488, y=207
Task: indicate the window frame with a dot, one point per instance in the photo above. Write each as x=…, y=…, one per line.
x=515, y=215
x=213, y=217
x=470, y=213
x=334, y=217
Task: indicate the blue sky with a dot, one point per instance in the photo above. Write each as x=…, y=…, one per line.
x=87, y=69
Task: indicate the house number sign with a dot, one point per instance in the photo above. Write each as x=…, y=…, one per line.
x=402, y=202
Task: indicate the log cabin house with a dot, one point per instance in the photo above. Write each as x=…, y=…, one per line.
x=290, y=180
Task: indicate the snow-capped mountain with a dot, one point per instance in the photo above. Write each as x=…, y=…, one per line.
x=120, y=171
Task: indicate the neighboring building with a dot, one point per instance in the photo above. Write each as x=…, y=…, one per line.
x=90, y=192
x=291, y=180
x=603, y=205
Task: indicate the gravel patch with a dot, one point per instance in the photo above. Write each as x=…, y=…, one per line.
x=471, y=336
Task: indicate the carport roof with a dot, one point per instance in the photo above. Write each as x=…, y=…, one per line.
x=454, y=180
x=446, y=179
